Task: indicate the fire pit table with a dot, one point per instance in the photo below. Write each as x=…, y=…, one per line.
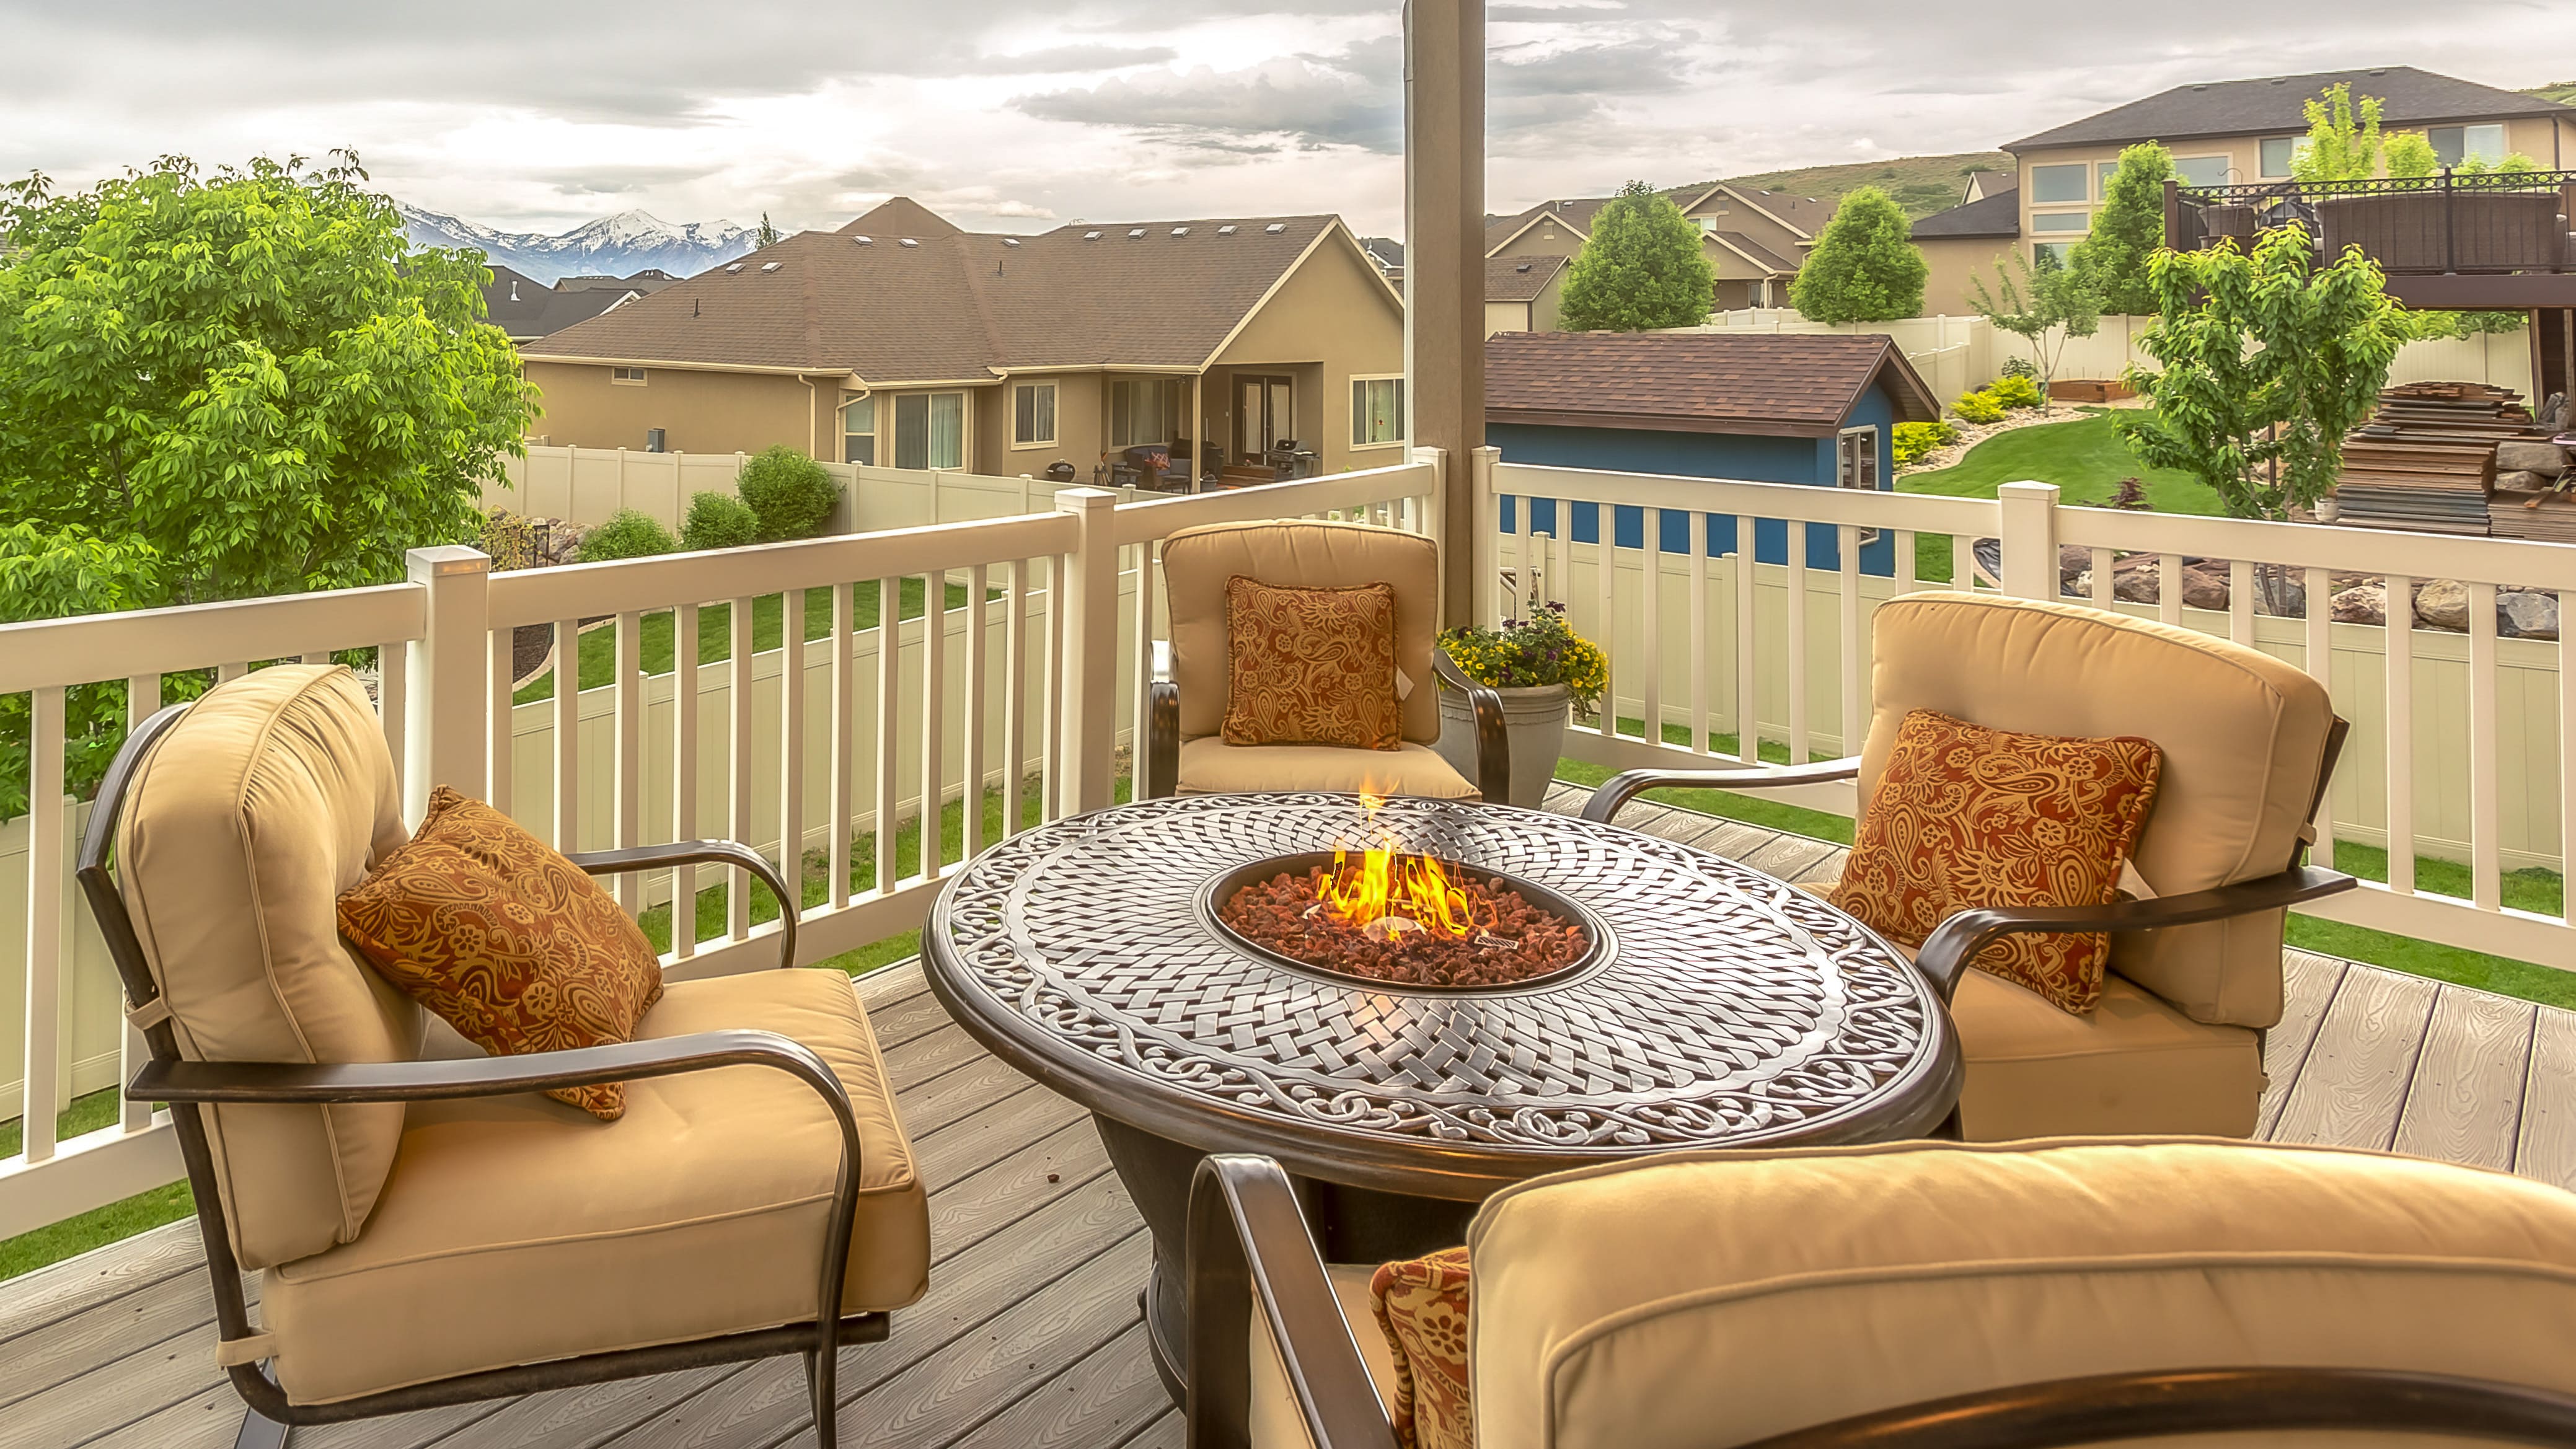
x=1711, y=1006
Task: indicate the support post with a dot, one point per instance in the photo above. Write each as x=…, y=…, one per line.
x=1088, y=713
x=1444, y=272
x=2029, y=539
x=447, y=672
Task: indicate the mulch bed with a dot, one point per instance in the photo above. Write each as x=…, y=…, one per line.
x=1513, y=940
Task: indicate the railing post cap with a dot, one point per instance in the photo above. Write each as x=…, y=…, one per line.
x=1084, y=498
x=2029, y=490
x=445, y=560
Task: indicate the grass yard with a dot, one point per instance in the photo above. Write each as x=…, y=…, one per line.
x=2084, y=458
x=715, y=634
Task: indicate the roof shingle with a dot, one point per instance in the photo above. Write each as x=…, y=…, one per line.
x=1520, y=279
x=1793, y=384
x=2410, y=97
x=1997, y=213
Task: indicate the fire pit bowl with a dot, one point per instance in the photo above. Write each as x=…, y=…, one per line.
x=1222, y=888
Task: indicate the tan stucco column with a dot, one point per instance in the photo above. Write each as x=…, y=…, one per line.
x=1444, y=261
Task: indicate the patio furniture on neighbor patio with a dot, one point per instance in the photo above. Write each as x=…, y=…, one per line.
x=2176, y=1043
x=1717, y=1007
x=433, y=1232
x=1185, y=754
x=1923, y=1296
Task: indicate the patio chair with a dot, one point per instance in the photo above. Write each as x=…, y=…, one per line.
x=2176, y=1043
x=1185, y=753
x=1921, y=1296
x=432, y=1231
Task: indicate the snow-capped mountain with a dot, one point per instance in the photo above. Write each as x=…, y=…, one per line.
x=616, y=246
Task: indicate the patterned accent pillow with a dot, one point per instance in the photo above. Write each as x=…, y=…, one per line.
x=507, y=941
x=1968, y=816
x=1422, y=1308
x=1311, y=666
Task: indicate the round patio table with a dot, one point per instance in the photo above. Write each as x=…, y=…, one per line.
x=1725, y=1008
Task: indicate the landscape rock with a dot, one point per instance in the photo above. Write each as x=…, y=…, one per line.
x=2362, y=604
x=2527, y=614
x=2443, y=604
x=2521, y=480
x=2517, y=456
x=2286, y=597
x=2134, y=586
x=2072, y=560
x=2078, y=587
x=2204, y=588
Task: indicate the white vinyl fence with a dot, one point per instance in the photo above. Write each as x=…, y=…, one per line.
x=586, y=485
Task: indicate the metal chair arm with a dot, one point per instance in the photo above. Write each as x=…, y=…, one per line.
x=1627, y=785
x=703, y=852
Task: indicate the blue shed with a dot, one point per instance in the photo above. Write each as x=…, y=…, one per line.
x=1814, y=408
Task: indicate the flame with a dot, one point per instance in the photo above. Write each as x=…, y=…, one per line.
x=1394, y=891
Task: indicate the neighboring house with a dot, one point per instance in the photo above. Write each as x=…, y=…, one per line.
x=1755, y=240
x=900, y=339
x=647, y=281
x=1522, y=293
x=528, y=309
x=1982, y=184
x=1812, y=408
x=1387, y=255
x=2231, y=132
x=1963, y=244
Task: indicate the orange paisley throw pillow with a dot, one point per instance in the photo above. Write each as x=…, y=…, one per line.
x=1968, y=816
x=1422, y=1308
x=1311, y=666
x=505, y=940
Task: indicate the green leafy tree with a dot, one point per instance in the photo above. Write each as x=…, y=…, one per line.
x=1643, y=268
x=792, y=495
x=2343, y=137
x=2046, y=305
x=1865, y=266
x=2265, y=362
x=249, y=376
x=768, y=234
x=2409, y=157
x=48, y=573
x=2127, y=232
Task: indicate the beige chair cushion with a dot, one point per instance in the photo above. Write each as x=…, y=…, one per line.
x=1198, y=563
x=1210, y=766
x=272, y=795
x=2132, y=1064
x=1275, y=1420
x=1711, y=1299
x=2242, y=733
x=518, y=1229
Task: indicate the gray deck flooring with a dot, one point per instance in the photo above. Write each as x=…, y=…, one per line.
x=1030, y=1335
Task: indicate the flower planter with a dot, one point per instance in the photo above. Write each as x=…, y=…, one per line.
x=1534, y=721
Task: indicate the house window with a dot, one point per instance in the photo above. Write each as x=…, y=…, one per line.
x=2061, y=220
x=2103, y=172
x=2203, y=170
x=1145, y=410
x=1377, y=411
x=2061, y=183
x=1707, y=225
x=859, y=430
x=2043, y=253
x=630, y=376
x=2457, y=145
x=1033, y=415
x=1856, y=467
x=930, y=430
x=2277, y=154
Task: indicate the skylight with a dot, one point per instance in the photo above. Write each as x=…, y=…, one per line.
x=1276, y=227
x=1180, y=231
x=1226, y=230
x=1091, y=236
x=769, y=266
x=865, y=241
x=736, y=267
x=1010, y=241
x=1136, y=231
x=907, y=241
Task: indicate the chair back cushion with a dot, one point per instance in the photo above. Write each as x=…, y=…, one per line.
x=1199, y=562
x=269, y=797
x=1720, y=1298
x=2243, y=737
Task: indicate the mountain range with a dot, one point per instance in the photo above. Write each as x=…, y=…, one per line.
x=615, y=246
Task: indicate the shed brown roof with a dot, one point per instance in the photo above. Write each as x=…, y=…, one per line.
x=1792, y=384
x=1520, y=279
x=899, y=295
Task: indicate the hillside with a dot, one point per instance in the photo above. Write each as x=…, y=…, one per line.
x=2563, y=92
x=1921, y=184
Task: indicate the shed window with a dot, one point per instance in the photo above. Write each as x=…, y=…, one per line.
x=1856, y=467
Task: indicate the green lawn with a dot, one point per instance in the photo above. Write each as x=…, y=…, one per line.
x=2084, y=458
x=715, y=634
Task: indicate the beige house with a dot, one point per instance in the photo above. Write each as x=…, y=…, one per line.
x=1756, y=240
x=2224, y=133
x=1962, y=245
x=1522, y=293
x=901, y=340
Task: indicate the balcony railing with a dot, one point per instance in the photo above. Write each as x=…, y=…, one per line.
x=2486, y=222
x=1008, y=655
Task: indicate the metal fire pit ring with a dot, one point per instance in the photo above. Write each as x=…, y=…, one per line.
x=1600, y=944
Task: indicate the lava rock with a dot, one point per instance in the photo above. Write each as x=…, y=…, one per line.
x=2544, y=458
x=2527, y=614
x=2443, y=604
x=2362, y=604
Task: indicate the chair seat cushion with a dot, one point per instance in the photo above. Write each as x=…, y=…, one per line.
x=1210, y=766
x=516, y=1229
x=2134, y=1063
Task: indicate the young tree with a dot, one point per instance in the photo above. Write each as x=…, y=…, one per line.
x=2127, y=231
x=768, y=236
x=1865, y=266
x=2038, y=303
x=250, y=375
x=2343, y=137
x=2266, y=362
x=1643, y=268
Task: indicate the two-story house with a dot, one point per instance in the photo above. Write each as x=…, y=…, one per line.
x=1756, y=240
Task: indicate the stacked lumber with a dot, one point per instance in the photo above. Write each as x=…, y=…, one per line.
x=2542, y=516
x=2426, y=460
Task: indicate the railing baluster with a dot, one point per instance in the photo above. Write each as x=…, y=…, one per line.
x=1698, y=630
x=1051, y=743
x=391, y=682
x=567, y=811
x=2399, y=642
x=1905, y=561
x=1015, y=693
x=843, y=679
x=2320, y=652
x=44, y=921
x=1855, y=679
x=2240, y=600
x=227, y=673
x=2103, y=579
x=889, y=723
x=2169, y=587
x=629, y=823
x=1650, y=622
x=934, y=725
x=142, y=701
x=1605, y=578
x=791, y=748
x=1141, y=698
x=738, y=760
x=1748, y=685
x=2567, y=745
x=1559, y=578
x=1963, y=563
x=2485, y=807
x=684, y=776
x=498, y=741
x=1797, y=642
x=978, y=665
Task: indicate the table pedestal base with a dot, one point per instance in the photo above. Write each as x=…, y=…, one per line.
x=1352, y=1225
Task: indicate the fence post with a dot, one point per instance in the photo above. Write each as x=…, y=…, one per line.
x=446, y=672
x=1488, y=555
x=1089, y=711
x=2029, y=539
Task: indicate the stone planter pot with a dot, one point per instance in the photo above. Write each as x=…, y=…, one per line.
x=1534, y=719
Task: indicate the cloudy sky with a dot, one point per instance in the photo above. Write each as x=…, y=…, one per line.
x=1018, y=114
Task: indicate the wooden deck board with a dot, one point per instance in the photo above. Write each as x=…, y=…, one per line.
x=1029, y=1335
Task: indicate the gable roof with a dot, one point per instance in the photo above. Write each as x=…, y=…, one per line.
x=1804, y=215
x=1756, y=253
x=895, y=299
x=1786, y=385
x=1997, y=213
x=526, y=309
x=1386, y=251
x=1521, y=279
x=2410, y=97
